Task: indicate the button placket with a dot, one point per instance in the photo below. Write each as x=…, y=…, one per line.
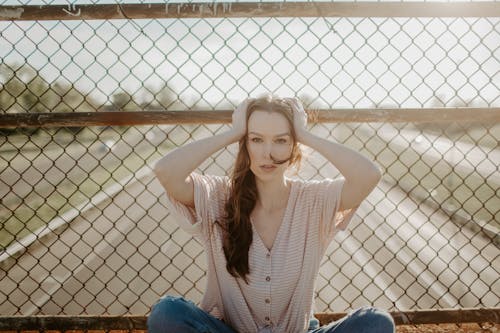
x=267, y=300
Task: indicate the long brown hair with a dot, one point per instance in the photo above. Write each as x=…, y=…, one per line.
x=237, y=228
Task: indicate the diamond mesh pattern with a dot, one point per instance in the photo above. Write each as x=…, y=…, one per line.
x=84, y=228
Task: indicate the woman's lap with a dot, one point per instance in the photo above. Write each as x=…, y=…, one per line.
x=175, y=314
x=363, y=320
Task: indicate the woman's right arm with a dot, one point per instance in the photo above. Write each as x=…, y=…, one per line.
x=173, y=169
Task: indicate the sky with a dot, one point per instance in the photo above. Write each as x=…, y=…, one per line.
x=336, y=62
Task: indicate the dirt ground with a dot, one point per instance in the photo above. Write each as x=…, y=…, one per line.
x=442, y=328
x=450, y=328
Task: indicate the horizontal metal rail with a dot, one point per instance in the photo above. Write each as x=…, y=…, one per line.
x=128, y=322
x=250, y=9
x=126, y=118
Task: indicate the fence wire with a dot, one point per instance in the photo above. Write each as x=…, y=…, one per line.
x=84, y=227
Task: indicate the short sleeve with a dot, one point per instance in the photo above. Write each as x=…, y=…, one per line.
x=333, y=220
x=209, y=198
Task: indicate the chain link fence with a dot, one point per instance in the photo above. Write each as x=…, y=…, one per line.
x=84, y=227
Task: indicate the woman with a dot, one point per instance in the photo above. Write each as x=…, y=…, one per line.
x=264, y=234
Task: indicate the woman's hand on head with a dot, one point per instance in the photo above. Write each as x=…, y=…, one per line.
x=240, y=119
x=299, y=117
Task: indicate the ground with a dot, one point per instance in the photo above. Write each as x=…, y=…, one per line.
x=447, y=328
x=443, y=328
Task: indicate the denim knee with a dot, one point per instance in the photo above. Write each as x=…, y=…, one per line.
x=168, y=312
x=377, y=320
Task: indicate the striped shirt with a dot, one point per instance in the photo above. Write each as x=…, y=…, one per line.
x=279, y=295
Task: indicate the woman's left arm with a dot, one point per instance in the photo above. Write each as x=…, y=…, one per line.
x=361, y=175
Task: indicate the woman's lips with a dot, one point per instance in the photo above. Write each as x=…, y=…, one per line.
x=268, y=167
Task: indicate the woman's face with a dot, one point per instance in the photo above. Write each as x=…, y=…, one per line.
x=268, y=138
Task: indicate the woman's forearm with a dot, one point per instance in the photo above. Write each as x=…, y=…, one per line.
x=174, y=169
x=179, y=163
x=354, y=166
x=361, y=175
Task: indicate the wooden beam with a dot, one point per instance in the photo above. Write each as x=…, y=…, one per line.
x=432, y=316
x=249, y=9
x=63, y=323
x=127, y=322
x=126, y=118
x=118, y=118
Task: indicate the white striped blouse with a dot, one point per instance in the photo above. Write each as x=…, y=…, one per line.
x=280, y=294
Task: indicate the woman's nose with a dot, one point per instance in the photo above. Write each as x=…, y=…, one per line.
x=267, y=149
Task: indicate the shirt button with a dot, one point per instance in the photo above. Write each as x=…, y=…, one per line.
x=268, y=278
x=268, y=255
x=268, y=300
x=267, y=318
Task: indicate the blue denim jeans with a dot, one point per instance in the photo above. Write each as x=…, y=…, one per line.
x=175, y=314
x=363, y=320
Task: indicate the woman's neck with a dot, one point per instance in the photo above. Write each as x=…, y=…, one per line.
x=273, y=195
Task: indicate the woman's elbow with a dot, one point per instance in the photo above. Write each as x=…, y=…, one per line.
x=157, y=168
x=365, y=180
x=374, y=176
x=377, y=173
x=160, y=171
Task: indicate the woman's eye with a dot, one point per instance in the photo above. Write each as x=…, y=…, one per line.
x=282, y=141
x=256, y=139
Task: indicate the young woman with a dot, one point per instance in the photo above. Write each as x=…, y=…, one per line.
x=264, y=233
